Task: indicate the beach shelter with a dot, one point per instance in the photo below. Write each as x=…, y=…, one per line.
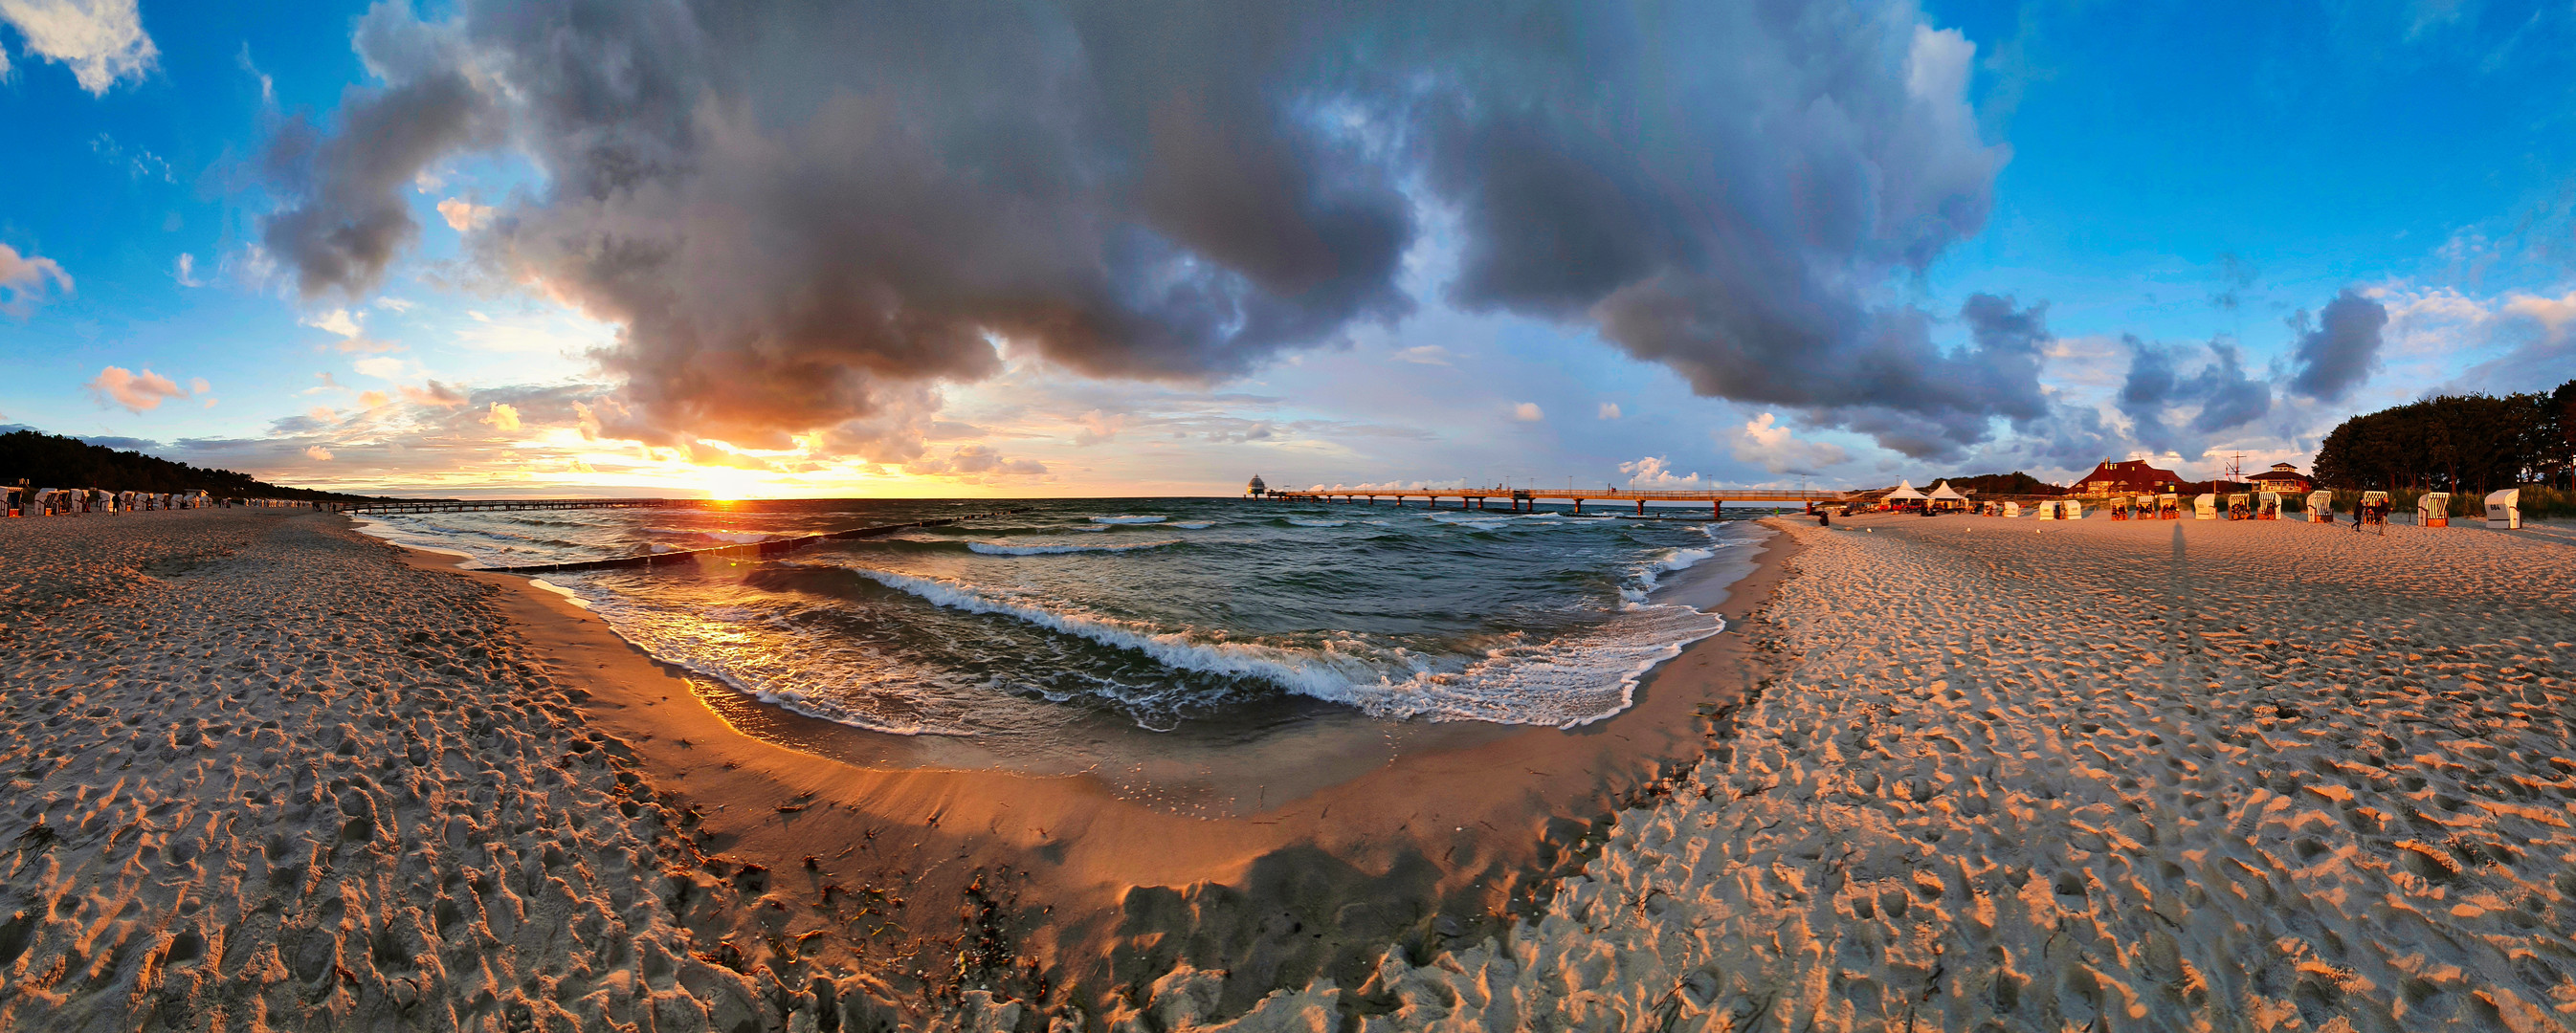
x=2433, y=509
x=2371, y=502
x=2012, y=509
x=2070, y=509
x=2321, y=507
x=2236, y=507
x=2169, y=506
x=1945, y=497
x=2504, y=509
x=2267, y=506
x=2048, y=510
x=2205, y=507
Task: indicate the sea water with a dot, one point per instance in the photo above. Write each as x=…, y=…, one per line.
x=1155, y=612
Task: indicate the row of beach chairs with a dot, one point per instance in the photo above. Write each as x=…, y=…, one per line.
x=2433, y=509
x=25, y=501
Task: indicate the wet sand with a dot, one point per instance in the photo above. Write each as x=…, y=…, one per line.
x=1295, y=845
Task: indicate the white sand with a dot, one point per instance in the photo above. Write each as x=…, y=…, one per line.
x=2273, y=777
x=263, y=775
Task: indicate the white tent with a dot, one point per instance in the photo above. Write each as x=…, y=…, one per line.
x=2504, y=509
x=1944, y=492
x=2321, y=507
x=1905, y=492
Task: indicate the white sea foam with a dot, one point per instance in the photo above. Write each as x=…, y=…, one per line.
x=569, y=595
x=1312, y=522
x=1053, y=548
x=1567, y=681
x=1129, y=519
x=744, y=537
x=1194, y=525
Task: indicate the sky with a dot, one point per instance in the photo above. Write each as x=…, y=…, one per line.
x=1138, y=249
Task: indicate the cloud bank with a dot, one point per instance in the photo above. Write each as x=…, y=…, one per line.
x=806, y=217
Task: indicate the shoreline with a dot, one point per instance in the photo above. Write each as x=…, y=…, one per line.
x=1107, y=883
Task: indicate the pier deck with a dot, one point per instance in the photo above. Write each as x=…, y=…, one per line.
x=1524, y=499
x=496, y=505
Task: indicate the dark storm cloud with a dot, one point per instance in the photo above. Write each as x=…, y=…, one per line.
x=348, y=216
x=2340, y=350
x=2220, y=394
x=800, y=214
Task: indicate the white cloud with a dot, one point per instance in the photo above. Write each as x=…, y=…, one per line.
x=267, y=85
x=1656, y=472
x=337, y=321
x=23, y=279
x=503, y=416
x=381, y=367
x=199, y=386
x=1766, y=441
x=1426, y=355
x=317, y=452
x=394, y=304
x=186, y=271
x=1528, y=412
x=374, y=399
x=463, y=215
x=102, y=40
x=1609, y=410
x=135, y=391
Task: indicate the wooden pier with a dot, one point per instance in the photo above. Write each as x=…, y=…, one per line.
x=498, y=505
x=1524, y=500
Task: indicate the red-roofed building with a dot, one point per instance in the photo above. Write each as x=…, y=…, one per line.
x=2127, y=477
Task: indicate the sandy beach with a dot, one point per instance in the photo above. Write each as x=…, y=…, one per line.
x=2096, y=775
x=296, y=778
x=269, y=774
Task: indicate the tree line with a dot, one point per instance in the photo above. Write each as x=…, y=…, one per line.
x=53, y=461
x=2464, y=444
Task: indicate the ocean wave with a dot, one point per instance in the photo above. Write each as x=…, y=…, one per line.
x=1194, y=525
x=1649, y=575
x=1129, y=519
x=1054, y=549
x=1565, y=681
x=1312, y=522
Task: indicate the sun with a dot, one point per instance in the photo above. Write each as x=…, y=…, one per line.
x=728, y=485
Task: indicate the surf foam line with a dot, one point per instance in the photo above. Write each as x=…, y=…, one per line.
x=1565, y=682
x=1012, y=549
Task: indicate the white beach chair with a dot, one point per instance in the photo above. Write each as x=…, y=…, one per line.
x=2433, y=509
x=2504, y=509
x=2321, y=507
x=2205, y=507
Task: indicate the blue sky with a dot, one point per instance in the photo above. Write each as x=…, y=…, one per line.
x=2174, y=185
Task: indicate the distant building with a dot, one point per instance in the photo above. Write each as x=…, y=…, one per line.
x=2283, y=477
x=1256, y=489
x=2128, y=477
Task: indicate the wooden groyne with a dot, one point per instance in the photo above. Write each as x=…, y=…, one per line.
x=754, y=551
